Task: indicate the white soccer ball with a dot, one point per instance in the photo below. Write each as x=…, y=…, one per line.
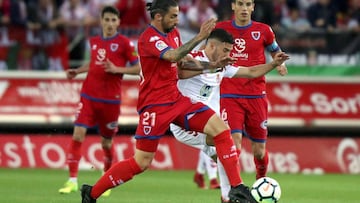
x=266, y=190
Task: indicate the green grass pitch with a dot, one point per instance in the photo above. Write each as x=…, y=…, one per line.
x=41, y=186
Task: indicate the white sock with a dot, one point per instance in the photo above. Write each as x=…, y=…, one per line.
x=224, y=181
x=73, y=179
x=211, y=166
x=201, y=163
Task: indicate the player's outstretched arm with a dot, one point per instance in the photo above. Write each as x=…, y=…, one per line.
x=177, y=54
x=72, y=73
x=110, y=67
x=260, y=70
x=190, y=67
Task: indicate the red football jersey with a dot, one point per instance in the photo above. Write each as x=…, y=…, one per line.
x=159, y=77
x=98, y=84
x=250, y=43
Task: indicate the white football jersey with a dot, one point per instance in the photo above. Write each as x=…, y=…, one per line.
x=205, y=87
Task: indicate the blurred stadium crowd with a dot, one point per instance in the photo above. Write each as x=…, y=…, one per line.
x=52, y=34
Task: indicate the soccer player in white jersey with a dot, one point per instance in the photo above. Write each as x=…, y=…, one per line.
x=204, y=86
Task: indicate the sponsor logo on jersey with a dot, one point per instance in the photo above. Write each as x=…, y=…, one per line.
x=206, y=90
x=239, y=47
x=255, y=35
x=160, y=45
x=101, y=54
x=94, y=47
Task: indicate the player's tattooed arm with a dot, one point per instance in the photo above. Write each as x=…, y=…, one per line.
x=176, y=55
x=179, y=53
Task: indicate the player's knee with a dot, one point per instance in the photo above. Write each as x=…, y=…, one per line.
x=259, y=151
x=144, y=159
x=215, y=126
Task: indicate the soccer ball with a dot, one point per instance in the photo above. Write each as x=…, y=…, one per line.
x=266, y=190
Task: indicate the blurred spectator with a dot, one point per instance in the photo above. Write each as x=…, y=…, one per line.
x=44, y=36
x=265, y=12
x=4, y=12
x=75, y=18
x=354, y=16
x=322, y=15
x=17, y=32
x=185, y=5
x=133, y=17
x=224, y=10
x=18, y=13
x=199, y=13
x=295, y=22
x=4, y=36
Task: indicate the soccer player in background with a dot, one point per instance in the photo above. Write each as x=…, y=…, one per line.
x=205, y=87
x=244, y=105
x=160, y=103
x=100, y=95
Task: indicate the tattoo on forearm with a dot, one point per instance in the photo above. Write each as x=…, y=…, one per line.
x=186, y=48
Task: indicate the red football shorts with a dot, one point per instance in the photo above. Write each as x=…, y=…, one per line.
x=98, y=114
x=247, y=116
x=155, y=120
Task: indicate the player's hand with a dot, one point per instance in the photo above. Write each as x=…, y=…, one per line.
x=189, y=63
x=282, y=70
x=279, y=60
x=222, y=62
x=109, y=67
x=71, y=73
x=206, y=28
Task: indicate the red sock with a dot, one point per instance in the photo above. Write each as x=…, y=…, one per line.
x=73, y=157
x=120, y=173
x=238, y=152
x=227, y=154
x=108, y=157
x=261, y=165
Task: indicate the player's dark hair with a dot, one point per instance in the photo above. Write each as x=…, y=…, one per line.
x=110, y=9
x=221, y=35
x=233, y=1
x=160, y=6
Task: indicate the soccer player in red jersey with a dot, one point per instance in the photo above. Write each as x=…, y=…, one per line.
x=160, y=103
x=100, y=96
x=244, y=104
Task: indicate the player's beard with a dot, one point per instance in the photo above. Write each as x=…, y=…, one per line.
x=167, y=29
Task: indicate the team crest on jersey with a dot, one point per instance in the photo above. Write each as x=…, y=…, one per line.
x=176, y=39
x=255, y=35
x=114, y=46
x=147, y=130
x=160, y=45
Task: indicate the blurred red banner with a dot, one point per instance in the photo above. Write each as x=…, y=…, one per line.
x=311, y=103
x=287, y=154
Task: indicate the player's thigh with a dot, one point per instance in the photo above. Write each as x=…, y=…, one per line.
x=153, y=123
x=194, y=116
x=85, y=113
x=191, y=138
x=107, y=116
x=233, y=113
x=256, y=119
